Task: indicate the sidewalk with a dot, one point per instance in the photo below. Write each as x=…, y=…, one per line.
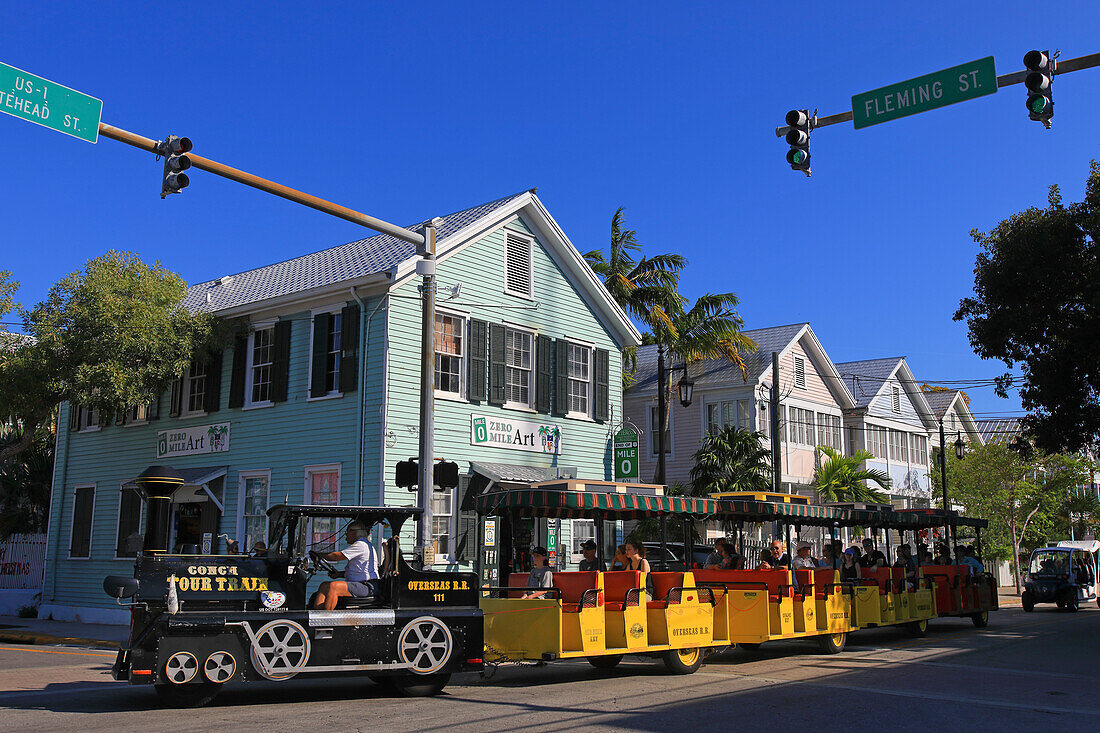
x=14, y=630
x=1006, y=596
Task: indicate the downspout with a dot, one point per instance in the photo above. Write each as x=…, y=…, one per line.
x=57, y=492
x=364, y=328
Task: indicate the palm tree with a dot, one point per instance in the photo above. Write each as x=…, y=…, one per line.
x=841, y=479
x=733, y=459
x=711, y=329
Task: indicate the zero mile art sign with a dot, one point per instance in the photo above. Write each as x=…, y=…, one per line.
x=49, y=104
x=533, y=437
x=931, y=91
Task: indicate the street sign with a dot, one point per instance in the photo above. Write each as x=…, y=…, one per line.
x=938, y=89
x=51, y=105
x=626, y=453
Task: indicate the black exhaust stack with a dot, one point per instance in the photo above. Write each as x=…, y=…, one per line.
x=158, y=483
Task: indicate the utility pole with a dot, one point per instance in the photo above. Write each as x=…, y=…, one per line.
x=662, y=410
x=943, y=484
x=426, y=269
x=773, y=410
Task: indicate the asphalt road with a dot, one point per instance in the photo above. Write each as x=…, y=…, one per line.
x=1024, y=672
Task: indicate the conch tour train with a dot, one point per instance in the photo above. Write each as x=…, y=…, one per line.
x=201, y=621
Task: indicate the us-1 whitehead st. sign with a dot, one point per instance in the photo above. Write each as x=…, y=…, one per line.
x=938, y=89
x=51, y=105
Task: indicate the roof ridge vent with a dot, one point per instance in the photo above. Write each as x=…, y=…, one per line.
x=223, y=280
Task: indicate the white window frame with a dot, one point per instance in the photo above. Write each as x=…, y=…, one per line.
x=185, y=394
x=650, y=419
x=464, y=320
x=576, y=538
x=307, y=492
x=448, y=557
x=799, y=360
x=118, y=518
x=530, y=264
x=532, y=379
x=91, y=522
x=336, y=309
x=242, y=477
x=92, y=417
x=132, y=419
x=249, y=366
x=824, y=429
x=590, y=382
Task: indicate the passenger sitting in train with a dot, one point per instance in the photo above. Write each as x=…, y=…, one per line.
x=966, y=558
x=620, y=560
x=943, y=555
x=590, y=562
x=764, y=562
x=829, y=557
x=803, y=560
x=540, y=576
x=849, y=568
x=905, y=560
x=723, y=558
x=779, y=560
x=872, y=558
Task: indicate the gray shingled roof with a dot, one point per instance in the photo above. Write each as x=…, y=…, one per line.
x=865, y=378
x=719, y=372
x=512, y=473
x=999, y=431
x=940, y=401
x=330, y=266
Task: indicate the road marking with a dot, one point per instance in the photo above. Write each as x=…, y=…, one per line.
x=53, y=651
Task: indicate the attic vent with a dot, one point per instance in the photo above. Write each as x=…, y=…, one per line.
x=800, y=372
x=896, y=399
x=517, y=267
x=223, y=280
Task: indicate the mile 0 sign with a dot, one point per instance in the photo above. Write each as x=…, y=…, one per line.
x=51, y=105
x=626, y=453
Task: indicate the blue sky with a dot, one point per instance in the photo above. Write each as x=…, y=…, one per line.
x=410, y=110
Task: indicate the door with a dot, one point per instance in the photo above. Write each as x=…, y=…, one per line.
x=188, y=528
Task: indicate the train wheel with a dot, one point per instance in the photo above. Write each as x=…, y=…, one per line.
x=980, y=619
x=606, y=661
x=683, y=661
x=833, y=643
x=187, y=696
x=1027, y=600
x=918, y=628
x=420, y=685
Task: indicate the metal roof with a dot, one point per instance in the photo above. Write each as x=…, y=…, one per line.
x=345, y=262
x=940, y=401
x=999, y=431
x=865, y=378
x=513, y=474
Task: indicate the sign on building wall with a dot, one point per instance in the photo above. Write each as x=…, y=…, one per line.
x=626, y=453
x=533, y=437
x=193, y=440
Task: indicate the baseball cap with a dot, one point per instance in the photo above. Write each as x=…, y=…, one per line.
x=540, y=550
x=588, y=545
x=803, y=545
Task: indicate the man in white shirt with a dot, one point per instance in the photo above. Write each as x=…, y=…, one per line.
x=360, y=577
x=803, y=561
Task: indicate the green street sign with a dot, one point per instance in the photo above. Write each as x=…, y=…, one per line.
x=938, y=89
x=626, y=453
x=51, y=105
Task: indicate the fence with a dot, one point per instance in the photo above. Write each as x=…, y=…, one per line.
x=22, y=561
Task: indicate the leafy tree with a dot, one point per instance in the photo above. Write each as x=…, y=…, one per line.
x=732, y=459
x=1081, y=512
x=25, y=482
x=840, y=478
x=1036, y=304
x=109, y=337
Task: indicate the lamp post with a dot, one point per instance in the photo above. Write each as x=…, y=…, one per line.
x=685, y=387
x=960, y=451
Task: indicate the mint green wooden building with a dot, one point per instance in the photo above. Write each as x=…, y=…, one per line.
x=318, y=400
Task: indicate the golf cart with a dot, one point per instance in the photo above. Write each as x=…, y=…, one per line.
x=1065, y=574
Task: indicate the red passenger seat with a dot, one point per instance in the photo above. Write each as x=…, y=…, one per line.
x=824, y=579
x=776, y=581
x=881, y=576
x=517, y=580
x=617, y=584
x=573, y=586
x=802, y=579
x=662, y=584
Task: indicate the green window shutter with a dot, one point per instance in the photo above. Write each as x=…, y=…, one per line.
x=321, y=324
x=83, y=505
x=280, y=362
x=544, y=358
x=177, y=397
x=120, y=416
x=129, y=518
x=476, y=374
x=466, y=538
x=212, y=387
x=603, y=391
x=561, y=382
x=152, y=412
x=74, y=416
x=349, y=348
x=496, y=364
x=237, y=377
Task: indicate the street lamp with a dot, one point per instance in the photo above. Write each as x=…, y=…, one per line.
x=685, y=387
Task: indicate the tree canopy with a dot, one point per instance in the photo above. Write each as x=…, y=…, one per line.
x=839, y=478
x=732, y=459
x=109, y=337
x=1036, y=304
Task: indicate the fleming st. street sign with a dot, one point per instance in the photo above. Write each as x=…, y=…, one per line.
x=51, y=105
x=938, y=89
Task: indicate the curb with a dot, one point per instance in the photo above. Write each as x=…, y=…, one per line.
x=30, y=637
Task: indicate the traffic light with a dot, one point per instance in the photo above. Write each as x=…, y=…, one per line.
x=1040, y=82
x=445, y=475
x=174, y=149
x=798, y=137
x=407, y=474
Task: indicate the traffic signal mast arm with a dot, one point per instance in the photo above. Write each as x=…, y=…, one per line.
x=248, y=179
x=1004, y=80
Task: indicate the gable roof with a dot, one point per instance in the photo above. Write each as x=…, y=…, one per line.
x=942, y=402
x=384, y=258
x=721, y=373
x=867, y=379
x=1002, y=430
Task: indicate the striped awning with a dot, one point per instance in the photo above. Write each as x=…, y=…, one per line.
x=577, y=504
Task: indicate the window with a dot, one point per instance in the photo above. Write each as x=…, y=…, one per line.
x=254, y=489
x=449, y=342
x=765, y=422
x=332, y=352
x=194, y=389
x=828, y=430
x=895, y=394
x=800, y=426
x=261, y=358
x=323, y=487
x=732, y=412
x=653, y=423
x=919, y=449
x=85, y=418
x=899, y=446
x=80, y=544
x=583, y=531
x=517, y=267
x=517, y=367
x=443, y=524
x=800, y=372
x=128, y=539
x=876, y=441
x=580, y=359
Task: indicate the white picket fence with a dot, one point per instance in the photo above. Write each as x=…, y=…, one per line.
x=22, y=561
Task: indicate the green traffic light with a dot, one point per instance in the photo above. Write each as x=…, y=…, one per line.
x=798, y=157
x=1037, y=104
